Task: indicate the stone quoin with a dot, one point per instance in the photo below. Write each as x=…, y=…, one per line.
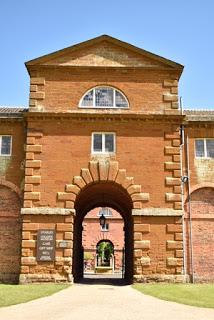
x=104, y=128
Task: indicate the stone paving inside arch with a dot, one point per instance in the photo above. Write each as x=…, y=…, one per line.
x=106, y=302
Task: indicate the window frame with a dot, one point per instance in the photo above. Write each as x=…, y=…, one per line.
x=11, y=138
x=103, y=228
x=103, y=143
x=102, y=212
x=205, y=148
x=101, y=107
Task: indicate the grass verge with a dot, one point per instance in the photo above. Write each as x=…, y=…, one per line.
x=199, y=295
x=14, y=294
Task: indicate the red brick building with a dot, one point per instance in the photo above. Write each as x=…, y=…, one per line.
x=104, y=129
x=111, y=231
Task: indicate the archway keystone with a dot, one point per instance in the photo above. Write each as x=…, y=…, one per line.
x=103, y=171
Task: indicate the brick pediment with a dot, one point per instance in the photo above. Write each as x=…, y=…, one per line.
x=104, y=51
x=104, y=54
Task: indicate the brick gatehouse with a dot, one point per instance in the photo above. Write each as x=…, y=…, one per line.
x=104, y=129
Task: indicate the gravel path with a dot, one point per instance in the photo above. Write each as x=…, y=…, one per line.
x=105, y=302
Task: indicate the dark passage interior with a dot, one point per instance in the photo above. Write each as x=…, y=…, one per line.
x=103, y=195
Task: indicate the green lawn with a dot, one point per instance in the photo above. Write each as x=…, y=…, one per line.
x=200, y=295
x=14, y=294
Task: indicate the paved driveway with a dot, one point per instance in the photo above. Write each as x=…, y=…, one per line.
x=105, y=302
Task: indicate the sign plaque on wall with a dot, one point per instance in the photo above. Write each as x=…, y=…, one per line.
x=46, y=245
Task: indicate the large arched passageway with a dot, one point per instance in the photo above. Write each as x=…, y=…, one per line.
x=103, y=194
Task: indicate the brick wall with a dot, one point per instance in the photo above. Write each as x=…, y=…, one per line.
x=202, y=208
x=12, y=167
x=147, y=91
x=92, y=234
x=202, y=169
x=66, y=148
x=58, y=270
x=158, y=248
x=10, y=235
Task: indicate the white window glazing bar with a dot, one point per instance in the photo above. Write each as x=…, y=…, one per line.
x=94, y=99
x=103, y=142
x=205, y=148
x=114, y=98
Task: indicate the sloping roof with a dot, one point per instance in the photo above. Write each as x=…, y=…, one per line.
x=8, y=111
x=199, y=115
x=44, y=59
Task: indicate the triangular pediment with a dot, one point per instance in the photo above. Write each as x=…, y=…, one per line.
x=104, y=51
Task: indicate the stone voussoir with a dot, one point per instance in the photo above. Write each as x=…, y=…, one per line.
x=113, y=169
x=93, y=167
x=86, y=175
x=121, y=176
x=79, y=181
x=134, y=188
x=103, y=166
x=72, y=188
x=128, y=182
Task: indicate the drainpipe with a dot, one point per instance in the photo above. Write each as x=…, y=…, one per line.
x=190, y=211
x=182, y=189
x=182, y=199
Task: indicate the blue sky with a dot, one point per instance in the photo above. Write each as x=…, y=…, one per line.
x=182, y=31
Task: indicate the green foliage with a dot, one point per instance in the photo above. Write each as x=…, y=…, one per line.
x=88, y=256
x=14, y=294
x=200, y=295
x=105, y=250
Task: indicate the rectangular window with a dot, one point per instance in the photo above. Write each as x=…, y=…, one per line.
x=204, y=148
x=210, y=148
x=103, y=142
x=5, y=145
x=105, y=227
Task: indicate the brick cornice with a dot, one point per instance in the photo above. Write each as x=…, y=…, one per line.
x=157, y=212
x=47, y=211
x=92, y=115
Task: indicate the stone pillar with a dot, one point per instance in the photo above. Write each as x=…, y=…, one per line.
x=60, y=220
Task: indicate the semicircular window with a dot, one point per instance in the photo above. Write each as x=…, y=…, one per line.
x=104, y=97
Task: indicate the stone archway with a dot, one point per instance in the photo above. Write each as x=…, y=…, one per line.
x=103, y=171
x=102, y=184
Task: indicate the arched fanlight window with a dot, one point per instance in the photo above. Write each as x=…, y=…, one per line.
x=106, y=212
x=104, y=97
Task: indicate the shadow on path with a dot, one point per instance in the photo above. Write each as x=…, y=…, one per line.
x=94, y=279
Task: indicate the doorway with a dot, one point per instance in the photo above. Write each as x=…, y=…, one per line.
x=103, y=195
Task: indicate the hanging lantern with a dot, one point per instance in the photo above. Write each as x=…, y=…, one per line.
x=102, y=220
